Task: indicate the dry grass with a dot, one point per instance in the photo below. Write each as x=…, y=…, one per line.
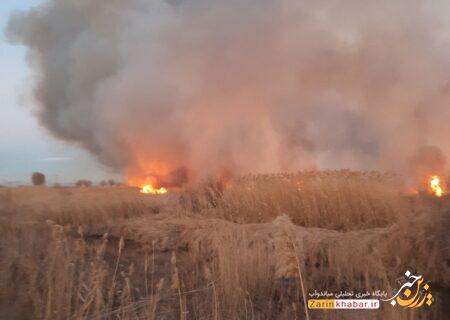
x=338, y=200
x=251, y=250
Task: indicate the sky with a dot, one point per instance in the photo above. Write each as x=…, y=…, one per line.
x=26, y=147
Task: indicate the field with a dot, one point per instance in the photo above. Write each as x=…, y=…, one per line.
x=254, y=248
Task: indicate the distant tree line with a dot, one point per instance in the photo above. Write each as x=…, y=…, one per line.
x=103, y=183
x=38, y=179
x=83, y=183
x=109, y=182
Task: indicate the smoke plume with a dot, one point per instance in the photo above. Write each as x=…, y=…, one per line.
x=187, y=88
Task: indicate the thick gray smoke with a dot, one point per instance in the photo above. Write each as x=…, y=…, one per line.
x=241, y=85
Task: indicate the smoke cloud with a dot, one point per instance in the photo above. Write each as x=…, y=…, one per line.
x=188, y=88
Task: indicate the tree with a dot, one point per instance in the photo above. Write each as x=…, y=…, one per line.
x=38, y=179
x=83, y=183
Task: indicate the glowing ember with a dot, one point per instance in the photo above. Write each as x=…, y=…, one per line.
x=149, y=189
x=435, y=186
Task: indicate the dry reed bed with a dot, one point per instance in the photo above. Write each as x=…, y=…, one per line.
x=338, y=200
x=160, y=258
x=209, y=268
x=258, y=264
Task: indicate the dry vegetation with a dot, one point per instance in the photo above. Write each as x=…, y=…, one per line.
x=248, y=250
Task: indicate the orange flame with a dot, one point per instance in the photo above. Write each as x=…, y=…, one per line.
x=147, y=176
x=435, y=186
x=149, y=189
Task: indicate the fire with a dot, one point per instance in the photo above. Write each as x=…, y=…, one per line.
x=147, y=175
x=435, y=186
x=149, y=189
